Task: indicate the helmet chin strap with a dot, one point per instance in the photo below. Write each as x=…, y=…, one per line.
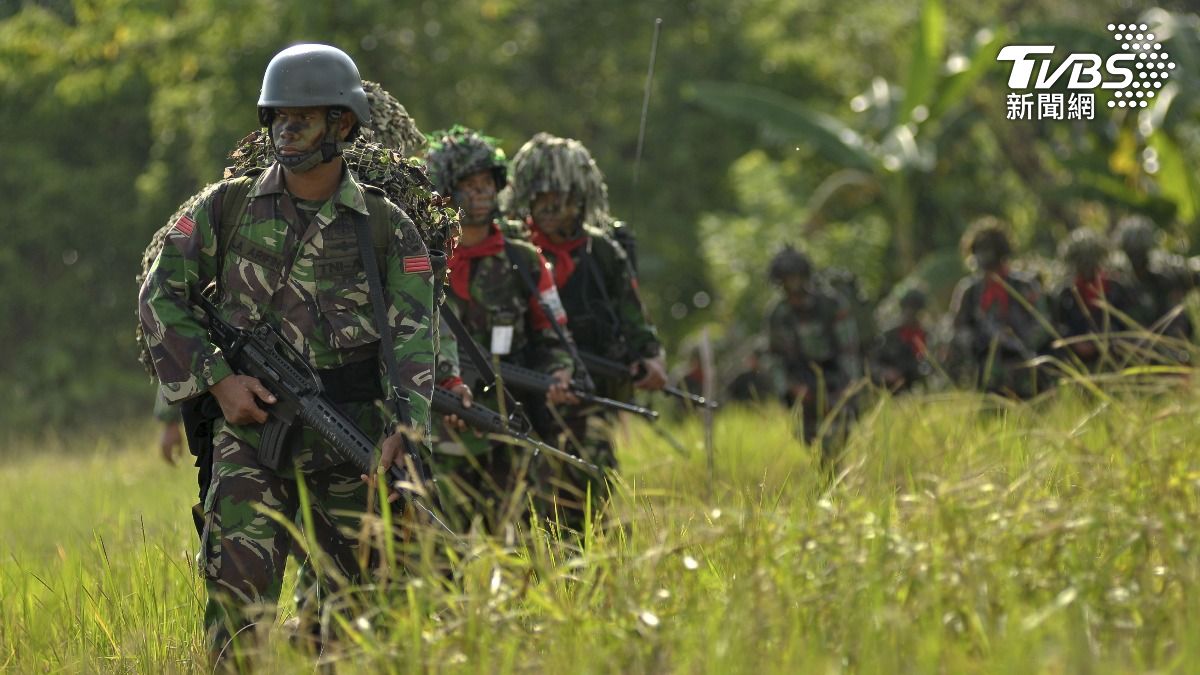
x=329, y=149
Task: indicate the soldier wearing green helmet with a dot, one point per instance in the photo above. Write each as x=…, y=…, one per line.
x=289, y=257
x=557, y=190
x=997, y=314
x=504, y=311
x=813, y=336
x=1091, y=302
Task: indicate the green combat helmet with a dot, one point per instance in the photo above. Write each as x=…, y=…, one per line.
x=1084, y=250
x=391, y=125
x=547, y=163
x=312, y=75
x=789, y=262
x=460, y=152
x=986, y=240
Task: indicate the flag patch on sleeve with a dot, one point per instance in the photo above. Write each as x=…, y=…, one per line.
x=185, y=225
x=417, y=263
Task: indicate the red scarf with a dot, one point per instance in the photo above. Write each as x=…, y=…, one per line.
x=994, y=292
x=913, y=336
x=564, y=264
x=1092, y=289
x=460, y=261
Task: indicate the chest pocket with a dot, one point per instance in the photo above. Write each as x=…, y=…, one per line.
x=498, y=301
x=253, y=269
x=343, y=296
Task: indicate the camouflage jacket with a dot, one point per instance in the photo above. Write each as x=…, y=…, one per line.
x=307, y=281
x=820, y=335
x=600, y=294
x=984, y=311
x=901, y=348
x=486, y=293
x=1076, y=311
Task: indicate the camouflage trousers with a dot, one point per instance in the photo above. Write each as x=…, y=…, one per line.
x=486, y=482
x=244, y=545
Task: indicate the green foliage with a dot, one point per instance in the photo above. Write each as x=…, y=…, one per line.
x=963, y=534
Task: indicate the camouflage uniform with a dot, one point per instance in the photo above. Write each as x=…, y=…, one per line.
x=898, y=356
x=816, y=344
x=1157, y=281
x=1077, y=302
x=295, y=265
x=595, y=279
x=997, y=330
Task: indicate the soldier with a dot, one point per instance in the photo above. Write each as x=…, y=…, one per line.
x=500, y=310
x=813, y=335
x=899, y=358
x=1157, y=283
x=1083, y=303
x=998, y=314
x=753, y=384
x=559, y=192
x=290, y=258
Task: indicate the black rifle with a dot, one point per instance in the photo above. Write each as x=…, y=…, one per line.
x=263, y=353
x=611, y=368
x=486, y=420
x=530, y=380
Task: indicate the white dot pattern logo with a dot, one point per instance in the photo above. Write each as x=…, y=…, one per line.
x=1151, y=67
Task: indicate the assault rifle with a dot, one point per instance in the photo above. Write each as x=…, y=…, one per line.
x=530, y=380
x=263, y=353
x=486, y=420
x=611, y=368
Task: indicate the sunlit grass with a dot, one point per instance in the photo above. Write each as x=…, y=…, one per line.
x=960, y=534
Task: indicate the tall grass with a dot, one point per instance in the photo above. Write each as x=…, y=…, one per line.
x=959, y=534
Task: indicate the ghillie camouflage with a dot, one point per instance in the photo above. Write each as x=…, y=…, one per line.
x=459, y=152
x=392, y=126
x=547, y=163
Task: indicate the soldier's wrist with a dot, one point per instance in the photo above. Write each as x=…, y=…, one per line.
x=213, y=370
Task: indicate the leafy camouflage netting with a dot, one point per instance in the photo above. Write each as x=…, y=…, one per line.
x=547, y=163
x=388, y=168
x=391, y=125
x=459, y=152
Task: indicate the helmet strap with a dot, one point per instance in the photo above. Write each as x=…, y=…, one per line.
x=329, y=149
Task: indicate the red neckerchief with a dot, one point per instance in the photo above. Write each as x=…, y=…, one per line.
x=564, y=264
x=1092, y=289
x=460, y=261
x=994, y=292
x=913, y=336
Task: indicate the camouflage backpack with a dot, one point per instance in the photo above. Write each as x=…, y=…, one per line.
x=389, y=169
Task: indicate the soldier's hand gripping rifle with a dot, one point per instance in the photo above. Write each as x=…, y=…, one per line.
x=611, y=368
x=526, y=379
x=263, y=353
x=488, y=421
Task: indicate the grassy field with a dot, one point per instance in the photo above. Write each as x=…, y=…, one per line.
x=964, y=535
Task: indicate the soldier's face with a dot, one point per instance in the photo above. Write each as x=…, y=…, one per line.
x=476, y=196
x=297, y=131
x=987, y=258
x=555, y=212
x=796, y=286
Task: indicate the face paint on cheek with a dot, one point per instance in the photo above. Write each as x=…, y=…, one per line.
x=303, y=135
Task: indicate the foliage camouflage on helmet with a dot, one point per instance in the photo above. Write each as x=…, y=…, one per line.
x=1083, y=250
x=391, y=126
x=987, y=232
x=547, y=163
x=1137, y=234
x=402, y=178
x=459, y=152
x=789, y=262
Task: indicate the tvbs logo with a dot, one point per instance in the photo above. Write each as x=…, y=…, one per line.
x=1133, y=74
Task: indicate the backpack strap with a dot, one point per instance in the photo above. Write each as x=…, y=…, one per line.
x=379, y=218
